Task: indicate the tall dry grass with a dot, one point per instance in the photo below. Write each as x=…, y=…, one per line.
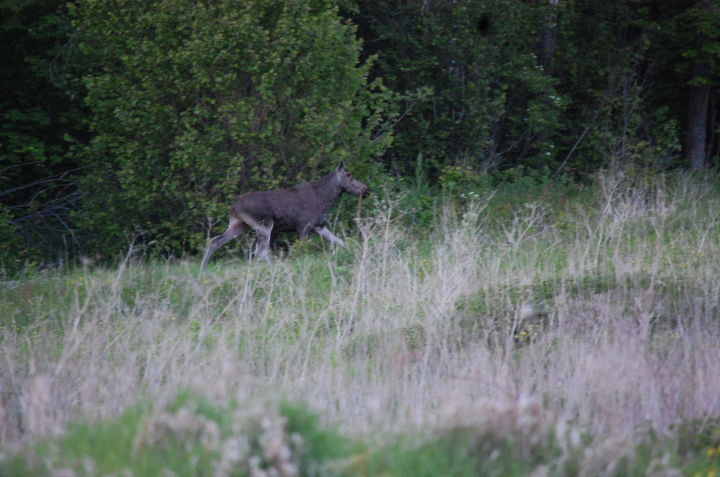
x=600, y=316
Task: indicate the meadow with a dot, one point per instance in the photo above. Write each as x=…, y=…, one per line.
x=563, y=334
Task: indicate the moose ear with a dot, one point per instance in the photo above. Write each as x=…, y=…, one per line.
x=341, y=165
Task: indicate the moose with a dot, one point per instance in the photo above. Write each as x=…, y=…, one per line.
x=302, y=208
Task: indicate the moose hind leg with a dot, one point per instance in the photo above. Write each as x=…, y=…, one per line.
x=235, y=228
x=263, y=228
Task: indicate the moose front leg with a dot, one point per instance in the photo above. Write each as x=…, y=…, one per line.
x=327, y=235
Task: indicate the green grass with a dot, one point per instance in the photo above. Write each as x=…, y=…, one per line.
x=193, y=437
x=575, y=333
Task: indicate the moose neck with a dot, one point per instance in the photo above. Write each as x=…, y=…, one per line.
x=327, y=188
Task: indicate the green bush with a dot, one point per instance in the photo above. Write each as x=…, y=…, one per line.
x=194, y=103
x=190, y=437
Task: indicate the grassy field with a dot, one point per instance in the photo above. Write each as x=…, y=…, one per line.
x=576, y=336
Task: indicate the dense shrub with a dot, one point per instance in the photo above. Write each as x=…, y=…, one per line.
x=477, y=93
x=192, y=103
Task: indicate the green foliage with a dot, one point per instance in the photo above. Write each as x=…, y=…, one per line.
x=194, y=103
x=603, y=64
x=320, y=444
x=695, y=33
x=572, y=85
x=40, y=118
x=489, y=96
x=188, y=438
x=192, y=437
x=190, y=104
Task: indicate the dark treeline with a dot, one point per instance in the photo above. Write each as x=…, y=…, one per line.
x=127, y=120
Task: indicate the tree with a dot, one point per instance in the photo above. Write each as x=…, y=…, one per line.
x=490, y=102
x=194, y=102
x=41, y=119
x=569, y=85
x=704, y=53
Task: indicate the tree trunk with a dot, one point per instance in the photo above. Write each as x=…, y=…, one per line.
x=549, y=38
x=697, y=119
x=698, y=102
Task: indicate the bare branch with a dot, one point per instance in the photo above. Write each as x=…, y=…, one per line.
x=55, y=178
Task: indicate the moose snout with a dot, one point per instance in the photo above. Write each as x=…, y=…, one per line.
x=365, y=193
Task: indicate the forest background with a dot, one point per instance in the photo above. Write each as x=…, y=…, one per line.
x=126, y=121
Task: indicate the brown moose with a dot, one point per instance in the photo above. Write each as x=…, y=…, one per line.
x=302, y=208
